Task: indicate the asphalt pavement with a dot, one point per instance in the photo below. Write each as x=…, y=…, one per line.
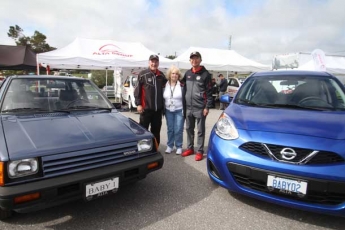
x=179, y=196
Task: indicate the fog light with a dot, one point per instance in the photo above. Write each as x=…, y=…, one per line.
x=26, y=198
x=152, y=165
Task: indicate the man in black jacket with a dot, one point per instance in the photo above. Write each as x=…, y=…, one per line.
x=149, y=97
x=198, y=98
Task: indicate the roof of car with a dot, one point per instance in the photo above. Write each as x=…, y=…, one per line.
x=46, y=77
x=292, y=73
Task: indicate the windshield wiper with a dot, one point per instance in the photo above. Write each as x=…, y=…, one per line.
x=25, y=110
x=61, y=111
x=81, y=107
x=294, y=106
x=246, y=101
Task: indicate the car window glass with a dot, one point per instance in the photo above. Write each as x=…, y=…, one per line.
x=51, y=94
x=126, y=83
x=134, y=81
x=308, y=91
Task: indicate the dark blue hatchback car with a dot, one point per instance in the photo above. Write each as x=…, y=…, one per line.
x=61, y=140
x=282, y=140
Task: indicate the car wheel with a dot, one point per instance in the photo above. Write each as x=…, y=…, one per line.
x=5, y=214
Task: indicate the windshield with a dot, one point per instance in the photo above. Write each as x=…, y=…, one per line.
x=296, y=91
x=49, y=95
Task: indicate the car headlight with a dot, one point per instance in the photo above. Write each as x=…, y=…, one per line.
x=225, y=128
x=22, y=168
x=144, y=145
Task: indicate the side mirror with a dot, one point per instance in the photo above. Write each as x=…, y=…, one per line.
x=226, y=98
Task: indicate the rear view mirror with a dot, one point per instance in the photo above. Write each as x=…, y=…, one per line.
x=225, y=98
x=289, y=82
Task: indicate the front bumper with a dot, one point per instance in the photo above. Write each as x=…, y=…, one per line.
x=63, y=189
x=247, y=173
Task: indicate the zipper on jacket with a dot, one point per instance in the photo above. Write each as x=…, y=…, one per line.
x=154, y=79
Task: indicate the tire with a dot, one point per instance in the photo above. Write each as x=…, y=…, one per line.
x=5, y=214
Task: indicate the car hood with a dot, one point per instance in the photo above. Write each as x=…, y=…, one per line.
x=48, y=134
x=325, y=124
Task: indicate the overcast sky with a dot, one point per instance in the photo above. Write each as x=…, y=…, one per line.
x=259, y=29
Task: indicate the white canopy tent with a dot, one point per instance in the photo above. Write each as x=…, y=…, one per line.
x=334, y=64
x=91, y=54
x=220, y=60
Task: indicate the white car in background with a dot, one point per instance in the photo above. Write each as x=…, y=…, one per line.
x=233, y=85
x=128, y=91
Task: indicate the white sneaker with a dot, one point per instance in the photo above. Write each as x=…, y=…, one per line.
x=168, y=150
x=178, y=151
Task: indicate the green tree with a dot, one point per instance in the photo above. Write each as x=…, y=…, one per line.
x=37, y=42
x=99, y=77
x=171, y=57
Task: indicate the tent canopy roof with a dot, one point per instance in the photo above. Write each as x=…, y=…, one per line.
x=17, y=58
x=334, y=64
x=85, y=53
x=221, y=60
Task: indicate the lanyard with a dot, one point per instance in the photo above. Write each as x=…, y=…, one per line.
x=172, y=90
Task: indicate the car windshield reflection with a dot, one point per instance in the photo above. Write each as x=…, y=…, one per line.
x=294, y=92
x=52, y=94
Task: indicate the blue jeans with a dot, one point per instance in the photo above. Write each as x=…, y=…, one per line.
x=175, y=122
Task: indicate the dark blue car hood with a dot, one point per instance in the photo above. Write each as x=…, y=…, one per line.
x=32, y=135
x=325, y=124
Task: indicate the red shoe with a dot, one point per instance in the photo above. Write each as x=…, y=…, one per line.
x=187, y=152
x=199, y=156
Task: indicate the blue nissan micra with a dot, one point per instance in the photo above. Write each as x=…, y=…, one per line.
x=282, y=140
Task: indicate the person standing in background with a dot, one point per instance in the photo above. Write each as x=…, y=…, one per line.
x=223, y=85
x=174, y=109
x=198, y=101
x=149, y=97
x=215, y=92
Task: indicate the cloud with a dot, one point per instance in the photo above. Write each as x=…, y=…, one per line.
x=259, y=29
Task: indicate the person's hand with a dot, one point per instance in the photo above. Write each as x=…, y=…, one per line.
x=205, y=112
x=140, y=109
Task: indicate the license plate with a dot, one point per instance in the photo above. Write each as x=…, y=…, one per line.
x=101, y=188
x=287, y=186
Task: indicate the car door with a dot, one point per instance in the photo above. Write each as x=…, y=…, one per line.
x=233, y=86
x=125, y=89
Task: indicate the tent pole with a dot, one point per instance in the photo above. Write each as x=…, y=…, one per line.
x=38, y=65
x=106, y=81
x=114, y=82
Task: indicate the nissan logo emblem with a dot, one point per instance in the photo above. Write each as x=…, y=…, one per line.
x=288, y=154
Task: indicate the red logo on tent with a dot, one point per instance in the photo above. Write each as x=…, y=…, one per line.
x=110, y=49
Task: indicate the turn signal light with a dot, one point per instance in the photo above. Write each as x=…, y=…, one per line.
x=2, y=173
x=26, y=198
x=152, y=165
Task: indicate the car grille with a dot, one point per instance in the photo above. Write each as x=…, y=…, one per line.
x=71, y=162
x=322, y=157
x=318, y=191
